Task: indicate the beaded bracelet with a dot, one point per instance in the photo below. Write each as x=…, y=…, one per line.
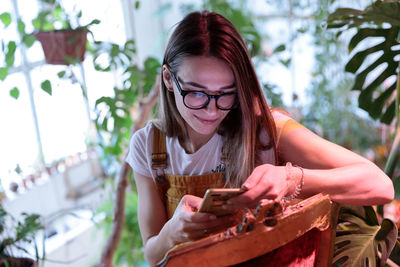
x=289, y=175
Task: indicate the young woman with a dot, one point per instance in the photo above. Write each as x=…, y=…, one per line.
x=216, y=130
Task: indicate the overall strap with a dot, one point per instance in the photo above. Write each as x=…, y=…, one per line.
x=159, y=162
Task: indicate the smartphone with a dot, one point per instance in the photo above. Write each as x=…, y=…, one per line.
x=214, y=198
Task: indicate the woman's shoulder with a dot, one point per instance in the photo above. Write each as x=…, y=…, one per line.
x=144, y=133
x=280, y=115
x=284, y=121
x=139, y=150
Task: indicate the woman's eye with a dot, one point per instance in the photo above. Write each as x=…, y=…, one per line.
x=198, y=94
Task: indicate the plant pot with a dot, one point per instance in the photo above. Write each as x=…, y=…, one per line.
x=18, y=262
x=63, y=47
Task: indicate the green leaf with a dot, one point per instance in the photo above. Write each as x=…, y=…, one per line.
x=342, y=13
x=5, y=17
x=61, y=74
x=396, y=184
x=360, y=234
x=137, y=4
x=388, y=115
x=152, y=65
x=46, y=86
x=286, y=62
x=372, y=98
x=14, y=92
x=3, y=73
x=280, y=48
x=386, y=238
x=377, y=13
x=29, y=40
x=370, y=216
x=364, y=33
x=10, y=55
x=21, y=27
x=357, y=60
x=93, y=22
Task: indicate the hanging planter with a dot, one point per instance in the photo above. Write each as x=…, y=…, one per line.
x=63, y=47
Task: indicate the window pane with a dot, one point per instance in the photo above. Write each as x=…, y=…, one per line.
x=109, y=13
x=28, y=11
x=63, y=120
x=18, y=143
x=9, y=33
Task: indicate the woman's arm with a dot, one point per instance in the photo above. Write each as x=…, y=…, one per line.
x=327, y=168
x=160, y=235
x=152, y=217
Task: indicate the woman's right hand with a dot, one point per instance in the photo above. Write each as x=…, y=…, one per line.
x=188, y=225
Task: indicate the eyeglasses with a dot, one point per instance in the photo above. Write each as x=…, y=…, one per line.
x=198, y=99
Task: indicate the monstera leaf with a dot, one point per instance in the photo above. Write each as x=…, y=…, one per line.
x=379, y=22
x=359, y=236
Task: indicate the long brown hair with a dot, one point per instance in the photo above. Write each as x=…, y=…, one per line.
x=210, y=34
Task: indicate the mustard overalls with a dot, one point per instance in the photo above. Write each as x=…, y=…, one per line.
x=173, y=187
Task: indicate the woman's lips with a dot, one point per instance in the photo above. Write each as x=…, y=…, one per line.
x=207, y=122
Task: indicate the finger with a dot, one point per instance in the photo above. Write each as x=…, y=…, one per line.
x=253, y=179
x=199, y=217
x=223, y=226
x=200, y=233
x=189, y=203
x=255, y=194
x=220, y=224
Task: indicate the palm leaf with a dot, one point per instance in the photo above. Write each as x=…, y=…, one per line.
x=377, y=13
x=360, y=236
x=374, y=97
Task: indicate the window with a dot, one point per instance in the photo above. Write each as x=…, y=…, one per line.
x=37, y=128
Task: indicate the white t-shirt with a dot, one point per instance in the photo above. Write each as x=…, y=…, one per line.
x=205, y=160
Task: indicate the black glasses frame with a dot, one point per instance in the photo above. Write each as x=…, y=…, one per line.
x=216, y=97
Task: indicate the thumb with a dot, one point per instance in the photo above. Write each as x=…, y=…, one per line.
x=191, y=201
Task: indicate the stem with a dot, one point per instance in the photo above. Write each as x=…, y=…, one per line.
x=390, y=163
x=106, y=259
x=397, y=99
x=390, y=166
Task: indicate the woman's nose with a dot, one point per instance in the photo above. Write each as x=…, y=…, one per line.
x=212, y=106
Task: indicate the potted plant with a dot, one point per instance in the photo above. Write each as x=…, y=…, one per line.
x=14, y=234
x=62, y=37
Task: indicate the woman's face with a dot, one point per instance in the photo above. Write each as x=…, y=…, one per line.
x=206, y=74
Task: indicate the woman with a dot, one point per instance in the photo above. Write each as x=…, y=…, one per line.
x=216, y=130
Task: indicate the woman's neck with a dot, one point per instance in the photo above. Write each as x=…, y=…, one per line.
x=194, y=141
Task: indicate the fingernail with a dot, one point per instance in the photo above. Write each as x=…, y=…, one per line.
x=246, y=186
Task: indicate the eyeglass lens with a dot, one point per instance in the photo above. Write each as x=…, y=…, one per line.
x=199, y=100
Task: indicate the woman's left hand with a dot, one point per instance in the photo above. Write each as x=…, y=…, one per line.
x=266, y=182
